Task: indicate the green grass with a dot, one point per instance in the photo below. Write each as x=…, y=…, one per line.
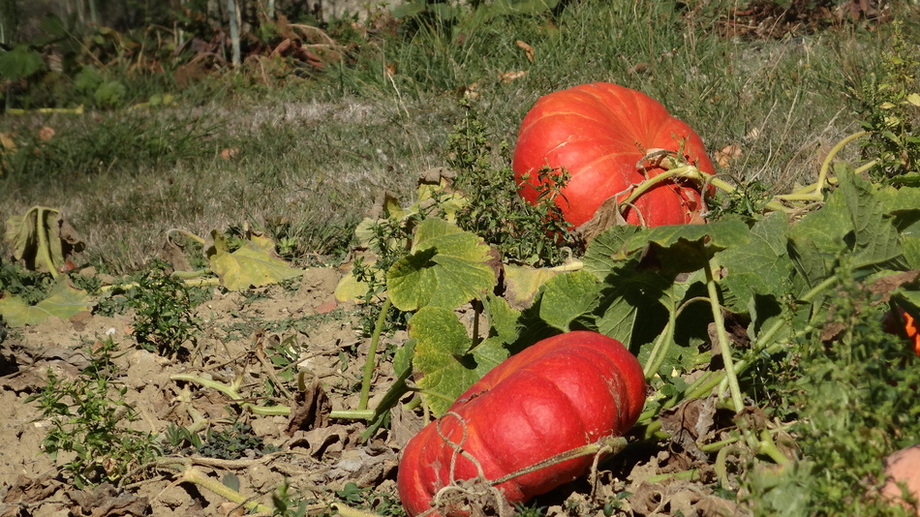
x=312, y=155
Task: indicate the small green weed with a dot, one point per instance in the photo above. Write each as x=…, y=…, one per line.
x=232, y=443
x=163, y=306
x=522, y=232
x=31, y=286
x=530, y=510
x=748, y=200
x=890, y=108
x=87, y=416
x=369, y=499
x=849, y=388
x=285, y=505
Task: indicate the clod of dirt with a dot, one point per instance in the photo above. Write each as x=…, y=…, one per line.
x=903, y=467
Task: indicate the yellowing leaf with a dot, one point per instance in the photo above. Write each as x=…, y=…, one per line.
x=253, y=265
x=350, y=289
x=7, y=142
x=523, y=282
x=914, y=99
x=63, y=302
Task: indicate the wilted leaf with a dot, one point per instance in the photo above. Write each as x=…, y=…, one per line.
x=229, y=153
x=446, y=267
x=7, y=142
x=63, y=301
x=255, y=264
x=41, y=238
x=350, y=289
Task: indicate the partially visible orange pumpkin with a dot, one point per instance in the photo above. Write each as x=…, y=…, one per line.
x=904, y=326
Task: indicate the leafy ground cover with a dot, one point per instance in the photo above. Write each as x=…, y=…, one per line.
x=252, y=290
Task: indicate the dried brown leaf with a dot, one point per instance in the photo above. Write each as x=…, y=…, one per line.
x=726, y=155
x=528, y=50
x=507, y=77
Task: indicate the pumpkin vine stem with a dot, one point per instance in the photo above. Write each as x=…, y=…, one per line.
x=232, y=391
x=722, y=338
x=660, y=349
x=371, y=360
x=764, y=345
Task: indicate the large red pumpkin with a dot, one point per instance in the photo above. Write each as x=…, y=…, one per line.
x=599, y=132
x=564, y=392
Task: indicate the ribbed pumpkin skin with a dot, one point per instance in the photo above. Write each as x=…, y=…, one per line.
x=598, y=132
x=564, y=392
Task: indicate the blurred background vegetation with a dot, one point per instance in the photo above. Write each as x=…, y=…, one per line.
x=292, y=117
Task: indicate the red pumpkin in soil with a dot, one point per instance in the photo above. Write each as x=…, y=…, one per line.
x=599, y=132
x=562, y=393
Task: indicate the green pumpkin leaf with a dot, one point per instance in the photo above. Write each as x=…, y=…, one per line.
x=443, y=356
x=402, y=359
x=684, y=247
x=20, y=63
x=761, y=267
x=875, y=238
x=503, y=319
x=254, y=264
x=630, y=298
x=568, y=296
x=902, y=203
x=63, y=301
x=446, y=267
x=911, y=248
x=608, y=250
x=816, y=240
x=720, y=234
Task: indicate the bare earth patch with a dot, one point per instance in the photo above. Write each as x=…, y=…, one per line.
x=255, y=339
